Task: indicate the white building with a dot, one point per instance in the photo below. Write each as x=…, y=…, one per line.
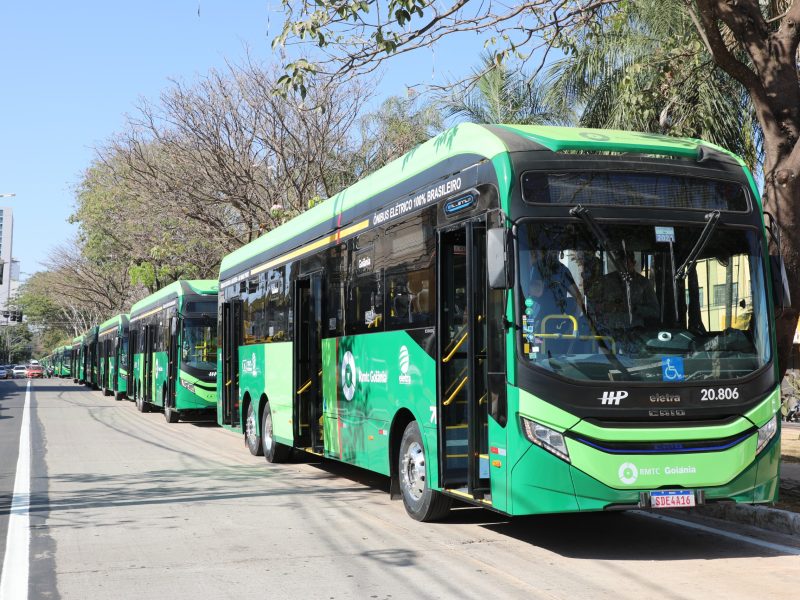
x=10, y=270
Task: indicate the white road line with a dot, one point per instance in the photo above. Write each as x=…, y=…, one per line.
x=729, y=534
x=14, y=580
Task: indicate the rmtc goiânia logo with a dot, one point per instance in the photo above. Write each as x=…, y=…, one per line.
x=348, y=375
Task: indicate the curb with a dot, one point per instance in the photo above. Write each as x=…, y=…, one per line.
x=762, y=517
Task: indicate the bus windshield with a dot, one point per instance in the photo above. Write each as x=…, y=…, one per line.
x=199, y=348
x=633, y=304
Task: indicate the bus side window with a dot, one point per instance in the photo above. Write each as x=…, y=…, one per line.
x=365, y=287
x=410, y=250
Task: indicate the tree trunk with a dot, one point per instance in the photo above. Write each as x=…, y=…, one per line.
x=781, y=199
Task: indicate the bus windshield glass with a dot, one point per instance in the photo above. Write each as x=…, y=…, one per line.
x=199, y=348
x=622, y=308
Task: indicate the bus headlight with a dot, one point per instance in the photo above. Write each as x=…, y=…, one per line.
x=766, y=433
x=546, y=438
x=187, y=385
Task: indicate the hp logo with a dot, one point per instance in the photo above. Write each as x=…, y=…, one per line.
x=612, y=398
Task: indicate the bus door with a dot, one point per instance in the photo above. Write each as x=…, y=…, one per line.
x=133, y=345
x=307, y=413
x=232, y=337
x=175, y=325
x=147, y=367
x=462, y=402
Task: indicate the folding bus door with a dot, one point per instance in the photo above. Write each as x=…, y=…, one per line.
x=463, y=400
x=307, y=415
x=232, y=337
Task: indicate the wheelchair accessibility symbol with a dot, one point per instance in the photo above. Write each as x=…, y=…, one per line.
x=672, y=369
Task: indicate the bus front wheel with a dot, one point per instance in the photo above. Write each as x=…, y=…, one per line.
x=170, y=414
x=421, y=502
x=274, y=451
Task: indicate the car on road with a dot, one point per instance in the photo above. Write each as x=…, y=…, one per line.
x=35, y=371
x=20, y=371
x=3, y=373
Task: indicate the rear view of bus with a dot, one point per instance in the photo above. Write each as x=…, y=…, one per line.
x=112, y=350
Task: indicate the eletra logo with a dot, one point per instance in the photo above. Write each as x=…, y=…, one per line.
x=405, y=363
x=628, y=473
x=348, y=375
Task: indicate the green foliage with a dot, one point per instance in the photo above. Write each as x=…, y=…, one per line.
x=504, y=94
x=644, y=68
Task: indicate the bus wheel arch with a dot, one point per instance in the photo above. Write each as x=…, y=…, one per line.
x=421, y=501
x=274, y=451
x=401, y=420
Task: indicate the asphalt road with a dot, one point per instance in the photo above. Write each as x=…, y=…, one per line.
x=124, y=505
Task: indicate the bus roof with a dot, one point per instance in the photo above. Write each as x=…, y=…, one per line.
x=115, y=320
x=481, y=141
x=178, y=288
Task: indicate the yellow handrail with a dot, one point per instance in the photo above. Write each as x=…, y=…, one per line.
x=455, y=348
x=455, y=393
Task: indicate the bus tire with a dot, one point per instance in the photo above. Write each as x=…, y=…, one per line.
x=170, y=414
x=141, y=405
x=421, y=502
x=251, y=435
x=274, y=452
x=118, y=395
x=107, y=392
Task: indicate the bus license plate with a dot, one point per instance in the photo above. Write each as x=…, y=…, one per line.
x=672, y=499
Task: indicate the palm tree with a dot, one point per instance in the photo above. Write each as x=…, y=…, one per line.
x=499, y=94
x=644, y=68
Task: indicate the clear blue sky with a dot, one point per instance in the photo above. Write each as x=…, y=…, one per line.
x=70, y=72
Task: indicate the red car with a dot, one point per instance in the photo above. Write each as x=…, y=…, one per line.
x=35, y=371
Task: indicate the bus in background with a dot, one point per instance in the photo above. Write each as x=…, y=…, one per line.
x=76, y=359
x=112, y=350
x=88, y=358
x=173, y=349
x=62, y=358
x=531, y=319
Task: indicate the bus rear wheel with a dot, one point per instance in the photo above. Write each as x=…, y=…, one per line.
x=421, y=502
x=251, y=437
x=274, y=451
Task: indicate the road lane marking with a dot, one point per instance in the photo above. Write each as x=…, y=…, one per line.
x=729, y=534
x=14, y=579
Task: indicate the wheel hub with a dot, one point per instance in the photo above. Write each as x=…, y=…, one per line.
x=414, y=470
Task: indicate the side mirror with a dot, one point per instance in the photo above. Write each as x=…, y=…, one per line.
x=499, y=258
x=780, y=285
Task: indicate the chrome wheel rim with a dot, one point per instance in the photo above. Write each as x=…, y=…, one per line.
x=413, y=469
x=268, y=431
x=250, y=428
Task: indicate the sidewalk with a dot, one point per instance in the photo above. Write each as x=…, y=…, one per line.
x=784, y=517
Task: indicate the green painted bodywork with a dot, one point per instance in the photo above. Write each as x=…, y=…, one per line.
x=525, y=478
x=204, y=396
x=117, y=378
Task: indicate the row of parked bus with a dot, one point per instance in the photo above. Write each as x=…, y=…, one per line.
x=531, y=319
x=162, y=354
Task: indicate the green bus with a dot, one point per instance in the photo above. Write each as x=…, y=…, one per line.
x=62, y=361
x=76, y=359
x=88, y=369
x=531, y=319
x=173, y=349
x=112, y=352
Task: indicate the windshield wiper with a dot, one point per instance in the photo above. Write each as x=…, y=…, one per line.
x=699, y=245
x=582, y=213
